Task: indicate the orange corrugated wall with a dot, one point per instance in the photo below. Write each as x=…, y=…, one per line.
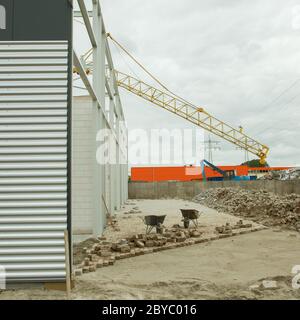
x=187, y=173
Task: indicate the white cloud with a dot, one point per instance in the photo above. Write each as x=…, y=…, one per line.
x=233, y=57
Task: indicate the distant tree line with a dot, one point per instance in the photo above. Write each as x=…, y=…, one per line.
x=255, y=164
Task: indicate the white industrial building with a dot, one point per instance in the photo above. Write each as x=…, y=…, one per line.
x=90, y=199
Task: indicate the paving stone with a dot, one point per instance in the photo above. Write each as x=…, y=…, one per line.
x=78, y=272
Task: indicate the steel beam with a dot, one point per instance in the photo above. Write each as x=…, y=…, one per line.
x=83, y=76
x=77, y=14
x=91, y=90
x=87, y=22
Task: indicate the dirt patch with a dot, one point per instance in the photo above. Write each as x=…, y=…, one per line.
x=257, y=205
x=232, y=268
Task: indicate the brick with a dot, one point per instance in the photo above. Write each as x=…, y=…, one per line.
x=125, y=248
x=105, y=253
x=140, y=244
x=95, y=257
x=104, y=247
x=92, y=268
x=111, y=261
x=86, y=262
x=132, y=253
x=123, y=241
x=99, y=264
x=106, y=243
x=78, y=272
x=90, y=256
x=149, y=243
x=221, y=236
x=86, y=269
x=95, y=247
x=195, y=234
x=114, y=246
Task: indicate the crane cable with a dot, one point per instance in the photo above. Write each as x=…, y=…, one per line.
x=150, y=74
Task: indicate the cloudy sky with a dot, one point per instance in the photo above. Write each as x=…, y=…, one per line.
x=238, y=59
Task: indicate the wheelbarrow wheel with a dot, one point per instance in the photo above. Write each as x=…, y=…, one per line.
x=186, y=223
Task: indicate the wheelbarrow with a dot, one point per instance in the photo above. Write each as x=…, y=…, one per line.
x=153, y=221
x=190, y=215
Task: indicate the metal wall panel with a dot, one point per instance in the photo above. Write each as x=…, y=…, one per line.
x=33, y=159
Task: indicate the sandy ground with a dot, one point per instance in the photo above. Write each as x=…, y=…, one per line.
x=132, y=223
x=231, y=268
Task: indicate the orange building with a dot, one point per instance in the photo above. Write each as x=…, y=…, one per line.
x=189, y=173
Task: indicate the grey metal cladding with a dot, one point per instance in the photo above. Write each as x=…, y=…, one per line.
x=35, y=20
x=33, y=159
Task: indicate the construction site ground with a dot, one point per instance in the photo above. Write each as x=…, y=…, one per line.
x=256, y=265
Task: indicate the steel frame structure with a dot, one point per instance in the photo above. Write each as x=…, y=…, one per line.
x=106, y=114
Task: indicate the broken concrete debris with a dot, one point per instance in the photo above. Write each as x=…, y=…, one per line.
x=257, y=205
x=289, y=174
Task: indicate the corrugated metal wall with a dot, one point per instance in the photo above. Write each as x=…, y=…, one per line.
x=33, y=159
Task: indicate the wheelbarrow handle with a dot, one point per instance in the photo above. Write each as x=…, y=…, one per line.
x=143, y=219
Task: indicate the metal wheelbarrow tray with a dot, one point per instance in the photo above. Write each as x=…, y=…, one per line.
x=152, y=221
x=190, y=215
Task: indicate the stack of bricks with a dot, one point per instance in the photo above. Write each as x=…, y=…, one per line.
x=105, y=253
x=228, y=229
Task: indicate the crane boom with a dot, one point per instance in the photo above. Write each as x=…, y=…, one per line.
x=192, y=113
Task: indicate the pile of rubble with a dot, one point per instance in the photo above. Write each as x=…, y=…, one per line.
x=290, y=174
x=257, y=205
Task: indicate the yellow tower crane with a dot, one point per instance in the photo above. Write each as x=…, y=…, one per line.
x=171, y=102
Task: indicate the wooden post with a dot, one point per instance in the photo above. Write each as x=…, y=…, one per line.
x=107, y=211
x=68, y=271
